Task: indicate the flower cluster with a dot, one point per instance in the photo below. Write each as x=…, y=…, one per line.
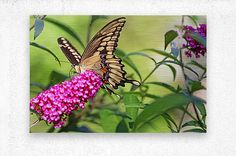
x=56, y=103
x=193, y=46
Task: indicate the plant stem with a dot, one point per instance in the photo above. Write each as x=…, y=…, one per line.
x=186, y=86
x=182, y=119
x=198, y=117
x=157, y=65
x=185, y=78
x=186, y=112
x=35, y=123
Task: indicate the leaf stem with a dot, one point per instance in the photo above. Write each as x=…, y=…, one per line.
x=198, y=117
x=189, y=114
x=182, y=119
x=186, y=86
x=35, y=123
x=157, y=65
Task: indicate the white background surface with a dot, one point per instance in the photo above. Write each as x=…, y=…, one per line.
x=15, y=138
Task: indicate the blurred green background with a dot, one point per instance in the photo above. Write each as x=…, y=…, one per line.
x=139, y=32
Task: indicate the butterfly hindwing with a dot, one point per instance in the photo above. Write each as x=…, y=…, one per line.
x=70, y=52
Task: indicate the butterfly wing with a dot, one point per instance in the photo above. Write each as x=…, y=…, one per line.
x=105, y=41
x=99, y=54
x=70, y=52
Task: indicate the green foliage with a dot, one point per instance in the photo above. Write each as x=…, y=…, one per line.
x=122, y=127
x=160, y=106
x=165, y=85
x=195, y=86
x=198, y=38
x=169, y=37
x=128, y=61
x=38, y=27
x=194, y=19
x=56, y=77
x=109, y=120
x=132, y=105
x=46, y=50
x=151, y=107
x=65, y=28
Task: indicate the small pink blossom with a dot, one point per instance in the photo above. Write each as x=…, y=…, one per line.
x=59, y=101
x=193, y=47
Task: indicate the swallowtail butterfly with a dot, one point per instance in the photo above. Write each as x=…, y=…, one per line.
x=99, y=55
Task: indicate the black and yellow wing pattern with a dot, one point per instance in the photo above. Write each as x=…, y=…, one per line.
x=99, y=55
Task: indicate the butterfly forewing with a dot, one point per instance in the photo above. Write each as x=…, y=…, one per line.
x=70, y=52
x=105, y=41
x=102, y=46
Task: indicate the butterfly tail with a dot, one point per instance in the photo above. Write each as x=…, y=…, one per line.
x=134, y=82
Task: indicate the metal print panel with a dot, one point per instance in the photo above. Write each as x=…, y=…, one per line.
x=118, y=74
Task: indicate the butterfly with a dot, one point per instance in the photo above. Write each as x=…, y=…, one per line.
x=99, y=55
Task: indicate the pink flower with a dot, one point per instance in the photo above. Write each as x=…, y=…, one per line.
x=195, y=48
x=59, y=101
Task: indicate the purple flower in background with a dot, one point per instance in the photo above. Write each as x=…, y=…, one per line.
x=56, y=103
x=193, y=46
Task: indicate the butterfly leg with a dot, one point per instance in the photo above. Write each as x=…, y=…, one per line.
x=110, y=91
x=71, y=72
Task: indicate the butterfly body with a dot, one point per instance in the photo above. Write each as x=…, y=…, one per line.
x=99, y=55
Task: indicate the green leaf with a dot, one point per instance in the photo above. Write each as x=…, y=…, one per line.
x=199, y=103
x=56, y=77
x=156, y=125
x=202, y=109
x=180, y=64
x=140, y=94
x=196, y=130
x=109, y=121
x=169, y=37
x=66, y=28
x=39, y=85
x=96, y=17
x=45, y=49
x=173, y=70
x=38, y=27
x=194, y=19
x=195, y=86
x=165, y=85
x=163, y=53
x=168, y=117
x=170, y=126
x=93, y=19
x=197, y=37
x=132, y=105
x=94, y=127
x=141, y=54
x=197, y=65
x=128, y=61
x=160, y=106
x=122, y=127
x=152, y=96
x=191, y=123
